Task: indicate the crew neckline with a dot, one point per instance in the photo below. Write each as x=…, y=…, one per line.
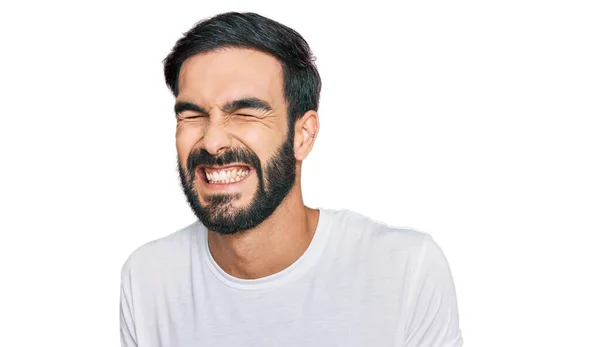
x=300, y=266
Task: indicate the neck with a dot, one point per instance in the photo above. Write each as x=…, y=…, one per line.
x=272, y=246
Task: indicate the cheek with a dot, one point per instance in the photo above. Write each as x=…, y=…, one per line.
x=185, y=139
x=257, y=142
x=260, y=138
x=255, y=138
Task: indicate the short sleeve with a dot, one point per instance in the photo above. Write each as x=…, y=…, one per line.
x=432, y=312
x=127, y=323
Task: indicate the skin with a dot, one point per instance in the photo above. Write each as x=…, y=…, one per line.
x=210, y=80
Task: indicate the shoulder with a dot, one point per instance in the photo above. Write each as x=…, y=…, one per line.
x=162, y=252
x=406, y=251
x=353, y=228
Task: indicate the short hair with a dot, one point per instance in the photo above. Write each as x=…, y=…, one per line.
x=301, y=80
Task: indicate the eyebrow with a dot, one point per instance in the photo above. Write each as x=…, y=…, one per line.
x=251, y=103
x=181, y=106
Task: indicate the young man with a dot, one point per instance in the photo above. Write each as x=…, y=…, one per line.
x=259, y=268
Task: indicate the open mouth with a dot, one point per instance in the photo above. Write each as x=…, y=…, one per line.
x=224, y=174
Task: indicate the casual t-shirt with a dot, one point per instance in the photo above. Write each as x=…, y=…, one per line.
x=359, y=283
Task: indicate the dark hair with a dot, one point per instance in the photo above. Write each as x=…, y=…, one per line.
x=302, y=83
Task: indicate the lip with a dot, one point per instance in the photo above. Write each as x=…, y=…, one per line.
x=221, y=186
x=223, y=167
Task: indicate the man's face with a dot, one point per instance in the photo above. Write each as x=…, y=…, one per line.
x=236, y=161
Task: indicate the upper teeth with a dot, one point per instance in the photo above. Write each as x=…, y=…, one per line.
x=227, y=175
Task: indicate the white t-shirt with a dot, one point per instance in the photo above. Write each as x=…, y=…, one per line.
x=359, y=283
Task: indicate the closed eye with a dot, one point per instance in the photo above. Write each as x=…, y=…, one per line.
x=183, y=117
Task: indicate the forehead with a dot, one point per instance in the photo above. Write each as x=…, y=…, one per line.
x=224, y=75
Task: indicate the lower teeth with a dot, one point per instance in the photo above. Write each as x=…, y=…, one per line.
x=226, y=181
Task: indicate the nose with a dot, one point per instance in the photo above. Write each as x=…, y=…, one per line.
x=216, y=139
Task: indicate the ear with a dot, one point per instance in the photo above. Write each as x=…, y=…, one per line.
x=306, y=128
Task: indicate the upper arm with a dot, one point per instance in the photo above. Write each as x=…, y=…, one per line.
x=432, y=312
x=127, y=322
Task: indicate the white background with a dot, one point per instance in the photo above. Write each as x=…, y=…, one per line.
x=475, y=121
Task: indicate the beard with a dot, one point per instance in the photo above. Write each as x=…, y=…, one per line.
x=219, y=213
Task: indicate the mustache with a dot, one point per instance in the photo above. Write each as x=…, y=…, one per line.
x=231, y=156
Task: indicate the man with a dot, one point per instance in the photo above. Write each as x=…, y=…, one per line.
x=259, y=268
